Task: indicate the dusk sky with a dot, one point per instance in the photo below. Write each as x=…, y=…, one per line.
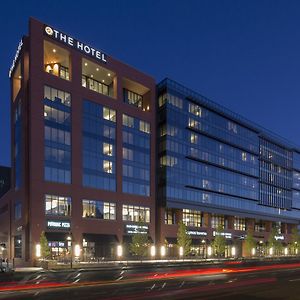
x=244, y=55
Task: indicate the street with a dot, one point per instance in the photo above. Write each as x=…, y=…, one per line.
x=231, y=280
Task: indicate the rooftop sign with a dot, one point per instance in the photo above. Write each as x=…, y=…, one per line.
x=13, y=64
x=73, y=43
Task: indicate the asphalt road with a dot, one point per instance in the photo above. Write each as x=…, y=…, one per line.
x=223, y=281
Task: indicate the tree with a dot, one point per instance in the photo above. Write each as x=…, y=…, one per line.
x=183, y=239
x=140, y=242
x=250, y=243
x=45, y=249
x=274, y=243
x=219, y=242
x=295, y=241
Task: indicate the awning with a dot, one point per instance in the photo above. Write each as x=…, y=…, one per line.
x=127, y=239
x=101, y=238
x=171, y=240
x=56, y=236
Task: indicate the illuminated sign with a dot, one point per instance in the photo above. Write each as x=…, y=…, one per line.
x=132, y=229
x=73, y=43
x=58, y=224
x=227, y=235
x=12, y=67
x=279, y=237
x=195, y=232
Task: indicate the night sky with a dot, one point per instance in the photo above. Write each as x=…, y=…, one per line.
x=244, y=55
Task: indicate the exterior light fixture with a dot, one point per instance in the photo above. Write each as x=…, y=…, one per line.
x=271, y=251
x=119, y=250
x=180, y=251
x=233, y=251
x=77, y=250
x=209, y=251
x=152, y=251
x=108, y=74
x=253, y=251
x=54, y=50
x=162, y=251
x=286, y=251
x=97, y=69
x=85, y=64
x=38, y=250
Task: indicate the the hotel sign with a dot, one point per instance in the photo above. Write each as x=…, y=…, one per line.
x=55, y=224
x=73, y=43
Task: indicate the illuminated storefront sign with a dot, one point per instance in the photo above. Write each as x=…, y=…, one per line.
x=227, y=235
x=58, y=224
x=195, y=232
x=131, y=229
x=73, y=43
x=13, y=65
x=279, y=237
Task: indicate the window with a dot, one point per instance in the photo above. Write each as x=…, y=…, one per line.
x=57, y=205
x=97, y=78
x=127, y=153
x=244, y=156
x=18, y=210
x=98, y=210
x=232, y=127
x=170, y=216
x=128, y=121
x=168, y=160
x=239, y=223
x=108, y=149
x=109, y=114
x=195, y=109
x=259, y=226
x=58, y=96
x=136, y=213
x=107, y=166
x=133, y=98
x=218, y=220
x=194, y=138
x=56, y=60
x=192, y=218
x=18, y=246
x=144, y=127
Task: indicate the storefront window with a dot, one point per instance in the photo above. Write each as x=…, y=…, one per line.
x=98, y=210
x=57, y=205
x=136, y=213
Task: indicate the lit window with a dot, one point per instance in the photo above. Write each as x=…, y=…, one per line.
x=107, y=166
x=107, y=149
x=195, y=109
x=109, y=114
x=244, y=156
x=144, y=127
x=128, y=121
x=194, y=138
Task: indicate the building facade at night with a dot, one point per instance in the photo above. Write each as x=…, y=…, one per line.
x=83, y=148
x=97, y=148
x=216, y=168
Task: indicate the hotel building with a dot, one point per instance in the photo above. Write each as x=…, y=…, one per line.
x=98, y=148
